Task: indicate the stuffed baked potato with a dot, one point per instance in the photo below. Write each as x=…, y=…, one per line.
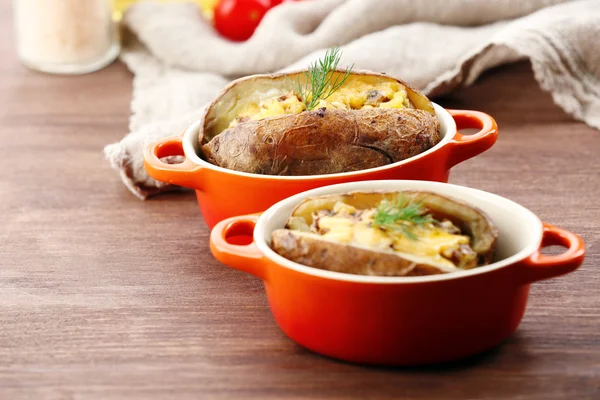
x=261, y=124
x=387, y=234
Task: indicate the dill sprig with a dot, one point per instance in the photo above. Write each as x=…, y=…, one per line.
x=319, y=83
x=397, y=215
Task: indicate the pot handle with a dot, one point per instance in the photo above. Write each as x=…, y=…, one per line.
x=186, y=173
x=464, y=147
x=247, y=257
x=539, y=266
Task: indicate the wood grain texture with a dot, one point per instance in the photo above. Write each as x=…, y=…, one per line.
x=106, y=297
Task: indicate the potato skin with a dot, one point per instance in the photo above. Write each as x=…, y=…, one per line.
x=470, y=219
x=314, y=251
x=222, y=110
x=339, y=257
x=324, y=141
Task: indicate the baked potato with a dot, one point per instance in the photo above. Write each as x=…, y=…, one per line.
x=260, y=124
x=406, y=233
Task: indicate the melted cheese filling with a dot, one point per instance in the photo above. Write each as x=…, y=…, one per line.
x=430, y=242
x=354, y=94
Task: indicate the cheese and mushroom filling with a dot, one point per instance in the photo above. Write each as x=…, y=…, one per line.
x=441, y=242
x=354, y=94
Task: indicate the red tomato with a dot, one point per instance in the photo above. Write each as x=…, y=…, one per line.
x=237, y=19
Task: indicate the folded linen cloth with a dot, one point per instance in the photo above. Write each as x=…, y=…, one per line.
x=180, y=63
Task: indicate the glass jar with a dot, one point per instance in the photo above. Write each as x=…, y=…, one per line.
x=65, y=36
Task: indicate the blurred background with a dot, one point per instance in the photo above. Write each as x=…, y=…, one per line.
x=207, y=6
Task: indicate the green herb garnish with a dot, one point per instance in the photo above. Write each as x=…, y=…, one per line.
x=319, y=83
x=398, y=214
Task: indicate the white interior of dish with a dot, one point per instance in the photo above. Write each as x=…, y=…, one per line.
x=191, y=150
x=519, y=230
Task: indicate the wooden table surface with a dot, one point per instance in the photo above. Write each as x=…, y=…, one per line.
x=103, y=296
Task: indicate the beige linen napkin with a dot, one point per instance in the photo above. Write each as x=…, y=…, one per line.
x=180, y=63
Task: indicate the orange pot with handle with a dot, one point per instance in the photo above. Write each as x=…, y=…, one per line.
x=401, y=320
x=223, y=193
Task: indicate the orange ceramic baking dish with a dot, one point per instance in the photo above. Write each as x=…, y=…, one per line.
x=223, y=193
x=402, y=320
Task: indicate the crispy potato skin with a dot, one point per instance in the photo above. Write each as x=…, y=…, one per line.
x=338, y=257
x=218, y=114
x=319, y=253
x=324, y=141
